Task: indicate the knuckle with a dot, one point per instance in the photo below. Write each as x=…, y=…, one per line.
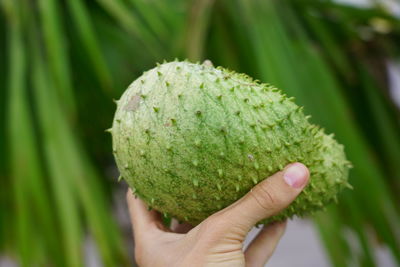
x=213, y=225
x=268, y=196
x=143, y=249
x=138, y=254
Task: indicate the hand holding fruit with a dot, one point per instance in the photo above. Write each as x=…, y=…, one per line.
x=218, y=240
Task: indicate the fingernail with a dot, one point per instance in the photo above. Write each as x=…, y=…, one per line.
x=296, y=175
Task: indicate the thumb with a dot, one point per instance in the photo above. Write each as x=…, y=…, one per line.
x=267, y=198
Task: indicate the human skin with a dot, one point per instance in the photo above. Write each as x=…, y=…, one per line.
x=218, y=240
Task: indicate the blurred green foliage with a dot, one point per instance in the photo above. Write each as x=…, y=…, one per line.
x=61, y=63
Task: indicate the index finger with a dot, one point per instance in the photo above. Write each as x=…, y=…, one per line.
x=143, y=220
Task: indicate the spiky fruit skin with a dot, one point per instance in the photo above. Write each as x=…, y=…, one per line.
x=191, y=139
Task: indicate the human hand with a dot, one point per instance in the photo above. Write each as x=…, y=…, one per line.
x=218, y=240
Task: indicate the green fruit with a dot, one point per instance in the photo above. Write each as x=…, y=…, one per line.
x=191, y=139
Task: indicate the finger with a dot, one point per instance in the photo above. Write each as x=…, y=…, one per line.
x=267, y=198
x=143, y=220
x=181, y=228
x=262, y=247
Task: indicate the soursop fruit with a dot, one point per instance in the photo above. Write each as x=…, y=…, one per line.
x=191, y=139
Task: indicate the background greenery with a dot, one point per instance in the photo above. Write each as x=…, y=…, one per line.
x=62, y=63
